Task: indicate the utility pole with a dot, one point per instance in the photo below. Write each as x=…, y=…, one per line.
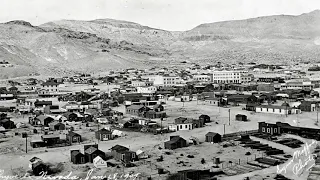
x=98, y=131
x=286, y=109
x=161, y=125
x=25, y=135
x=229, y=117
x=317, y=112
x=224, y=129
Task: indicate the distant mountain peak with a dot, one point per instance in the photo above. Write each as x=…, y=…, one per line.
x=313, y=13
x=20, y=22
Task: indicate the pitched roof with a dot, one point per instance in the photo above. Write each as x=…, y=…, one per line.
x=174, y=139
x=274, y=107
x=49, y=83
x=90, y=150
x=135, y=107
x=50, y=136
x=104, y=131
x=75, y=153
x=71, y=133
x=212, y=134
x=119, y=148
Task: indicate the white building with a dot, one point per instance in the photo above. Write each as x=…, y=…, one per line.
x=146, y=89
x=283, y=110
x=202, y=78
x=138, y=83
x=50, y=88
x=181, y=127
x=165, y=80
x=297, y=84
x=227, y=76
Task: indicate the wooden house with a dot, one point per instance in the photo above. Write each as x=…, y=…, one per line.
x=123, y=154
x=7, y=123
x=213, y=137
x=151, y=114
x=193, y=174
x=41, y=120
x=198, y=123
x=268, y=128
x=51, y=139
x=42, y=104
x=308, y=106
x=205, y=118
x=175, y=142
x=71, y=116
x=39, y=168
x=104, y=135
x=241, y=117
x=73, y=137
x=35, y=143
x=137, y=110
x=186, y=124
x=93, y=152
x=158, y=108
x=212, y=101
x=53, y=109
x=57, y=126
x=237, y=99
x=77, y=157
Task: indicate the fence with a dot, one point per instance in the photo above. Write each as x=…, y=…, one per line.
x=249, y=158
x=240, y=133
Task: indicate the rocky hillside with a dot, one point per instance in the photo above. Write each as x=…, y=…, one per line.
x=67, y=46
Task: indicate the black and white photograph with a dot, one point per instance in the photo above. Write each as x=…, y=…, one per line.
x=159, y=89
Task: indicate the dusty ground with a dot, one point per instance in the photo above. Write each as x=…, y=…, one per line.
x=12, y=159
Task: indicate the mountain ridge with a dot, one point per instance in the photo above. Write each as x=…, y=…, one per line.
x=65, y=46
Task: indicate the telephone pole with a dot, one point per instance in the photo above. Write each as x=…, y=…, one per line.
x=98, y=131
x=229, y=117
x=25, y=135
x=317, y=112
x=161, y=125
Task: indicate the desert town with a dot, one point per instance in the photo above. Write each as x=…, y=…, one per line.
x=239, y=121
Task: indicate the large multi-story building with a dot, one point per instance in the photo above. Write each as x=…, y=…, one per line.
x=304, y=85
x=227, y=76
x=165, y=80
x=146, y=89
x=202, y=77
x=141, y=83
x=50, y=88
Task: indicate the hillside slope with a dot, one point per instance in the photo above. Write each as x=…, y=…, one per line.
x=68, y=46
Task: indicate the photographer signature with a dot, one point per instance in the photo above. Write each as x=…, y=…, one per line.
x=305, y=162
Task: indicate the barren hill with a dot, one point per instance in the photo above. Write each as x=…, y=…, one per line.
x=67, y=46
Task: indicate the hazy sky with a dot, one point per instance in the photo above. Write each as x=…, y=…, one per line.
x=165, y=14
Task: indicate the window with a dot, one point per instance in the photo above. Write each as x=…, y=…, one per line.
x=279, y=110
x=263, y=129
x=122, y=156
x=186, y=126
x=133, y=155
x=260, y=109
x=273, y=109
x=275, y=130
x=268, y=130
x=180, y=126
x=267, y=109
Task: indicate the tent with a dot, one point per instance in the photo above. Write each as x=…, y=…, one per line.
x=141, y=154
x=60, y=117
x=98, y=162
x=103, y=120
x=21, y=125
x=117, y=133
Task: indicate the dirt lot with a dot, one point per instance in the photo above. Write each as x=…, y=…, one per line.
x=150, y=143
